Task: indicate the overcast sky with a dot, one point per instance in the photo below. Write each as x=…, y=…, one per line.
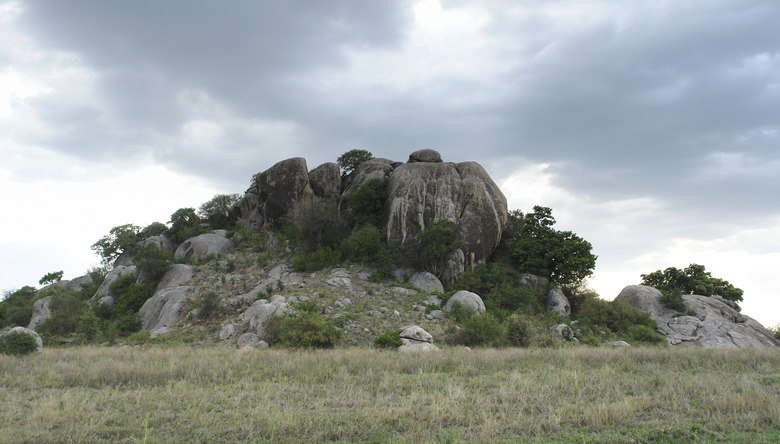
x=652, y=129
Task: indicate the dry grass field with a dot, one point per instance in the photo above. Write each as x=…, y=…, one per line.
x=171, y=394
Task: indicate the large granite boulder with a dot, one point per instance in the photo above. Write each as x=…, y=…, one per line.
x=377, y=168
x=33, y=333
x=414, y=338
x=556, y=301
x=198, y=247
x=325, y=181
x=426, y=282
x=421, y=193
x=176, y=275
x=468, y=300
x=164, y=307
x=709, y=322
x=273, y=194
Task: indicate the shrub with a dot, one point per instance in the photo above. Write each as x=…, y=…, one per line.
x=363, y=244
x=480, y=330
x=18, y=343
x=153, y=229
x=185, y=224
x=129, y=296
x=118, y=240
x=50, y=278
x=437, y=242
x=307, y=329
x=643, y=333
x=366, y=205
x=66, y=312
x=216, y=212
x=389, y=339
x=207, y=305
x=694, y=279
x=317, y=260
x=318, y=224
x=352, y=158
x=673, y=300
x=616, y=315
x=153, y=261
x=16, y=307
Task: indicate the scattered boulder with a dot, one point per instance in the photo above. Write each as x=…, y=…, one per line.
x=538, y=284
x=107, y=301
x=556, y=301
x=198, y=247
x=562, y=333
x=436, y=315
x=158, y=331
x=33, y=333
x=426, y=282
x=259, y=313
x=431, y=156
x=415, y=338
x=40, y=312
x=468, y=300
x=619, y=344
x=163, y=308
x=247, y=340
x=709, y=322
x=227, y=332
x=162, y=242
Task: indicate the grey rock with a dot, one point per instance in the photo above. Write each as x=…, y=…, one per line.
x=426, y=282
x=468, y=300
x=401, y=291
x=556, y=301
x=111, y=277
x=247, y=340
x=368, y=170
x=163, y=308
x=33, y=333
x=421, y=193
x=416, y=333
x=430, y=156
x=375, y=313
x=414, y=346
x=274, y=193
x=107, y=301
x=162, y=242
x=158, y=331
x=40, y=312
x=176, y=275
x=343, y=302
x=325, y=181
x=198, y=247
x=714, y=324
x=227, y=332
x=436, y=315
x=73, y=284
x=433, y=300
x=562, y=333
x=619, y=344
x=259, y=313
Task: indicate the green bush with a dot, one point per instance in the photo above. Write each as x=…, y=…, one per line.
x=316, y=260
x=16, y=307
x=363, y=245
x=207, y=305
x=307, y=329
x=67, y=310
x=153, y=229
x=389, y=339
x=366, y=205
x=317, y=224
x=50, y=278
x=119, y=240
x=673, y=300
x=18, y=343
x=480, y=330
x=153, y=261
x=617, y=315
x=643, y=333
x=185, y=224
x=129, y=296
x=437, y=242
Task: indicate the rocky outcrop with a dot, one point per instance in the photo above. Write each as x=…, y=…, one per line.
x=273, y=194
x=164, y=308
x=198, y=247
x=414, y=338
x=421, y=193
x=325, y=182
x=176, y=275
x=468, y=300
x=556, y=301
x=709, y=322
x=40, y=312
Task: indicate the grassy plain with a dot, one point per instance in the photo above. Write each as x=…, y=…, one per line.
x=172, y=394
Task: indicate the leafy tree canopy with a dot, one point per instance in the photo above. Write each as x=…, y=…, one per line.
x=561, y=256
x=216, y=211
x=50, y=278
x=694, y=279
x=119, y=240
x=352, y=158
x=185, y=224
x=437, y=242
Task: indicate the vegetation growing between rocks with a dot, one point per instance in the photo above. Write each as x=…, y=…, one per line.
x=693, y=279
x=18, y=343
x=352, y=159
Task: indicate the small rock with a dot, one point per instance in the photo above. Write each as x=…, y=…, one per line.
x=467, y=299
x=247, y=340
x=620, y=344
x=227, y=332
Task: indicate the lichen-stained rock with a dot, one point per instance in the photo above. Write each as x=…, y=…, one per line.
x=421, y=193
x=710, y=322
x=273, y=194
x=164, y=308
x=40, y=312
x=325, y=181
x=198, y=247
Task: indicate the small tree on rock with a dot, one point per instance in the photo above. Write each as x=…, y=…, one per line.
x=352, y=158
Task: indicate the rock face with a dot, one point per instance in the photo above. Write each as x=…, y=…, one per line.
x=273, y=194
x=164, y=308
x=325, y=181
x=201, y=246
x=176, y=275
x=40, y=312
x=112, y=276
x=421, y=193
x=556, y=301
x=469, y=301
x=414, y=338
x=714, y=323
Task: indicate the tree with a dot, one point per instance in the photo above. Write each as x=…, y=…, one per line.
x=694, y=279
x=561, y=256
x=50, y=278
x=437, y=242
x=318, y=223
x=352, y=158
x=185, y=224
x=216, y=211
x=119, y=240
x=367, y=203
